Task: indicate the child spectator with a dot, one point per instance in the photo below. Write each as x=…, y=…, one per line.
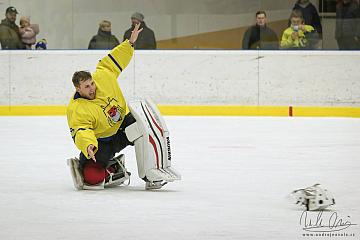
x=310, y=14
x=299, y=35
x=28, y=32
x=41, y=45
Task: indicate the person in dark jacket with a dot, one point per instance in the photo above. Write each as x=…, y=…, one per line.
x=347, y=30
x=104, y=39
x=9, y=31
x=146, y=39
x=310, y=15
x=260, y=36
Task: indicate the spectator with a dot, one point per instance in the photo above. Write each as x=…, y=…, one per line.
x=41, y=45
x=104, y=39
x=310, y=15
x=299, y=35
x=9, y=31
x=260, y=36
x=146, y=39
x=28, y=32
x=347, y=30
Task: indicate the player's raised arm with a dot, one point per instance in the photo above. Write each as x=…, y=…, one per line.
x=119, y=57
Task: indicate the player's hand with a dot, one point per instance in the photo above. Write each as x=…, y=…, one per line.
x=135, y=33
x=90, y=150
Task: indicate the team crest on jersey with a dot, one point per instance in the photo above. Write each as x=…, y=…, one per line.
x=113, y=112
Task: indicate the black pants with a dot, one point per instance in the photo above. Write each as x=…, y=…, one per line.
x=109, y=146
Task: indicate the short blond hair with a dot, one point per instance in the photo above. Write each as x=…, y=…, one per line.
x=103, y=23
x=80, y=76
x=24, y=19
x=296, y=14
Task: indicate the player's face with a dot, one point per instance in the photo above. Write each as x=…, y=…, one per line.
x=87, y=89
x=261, y=20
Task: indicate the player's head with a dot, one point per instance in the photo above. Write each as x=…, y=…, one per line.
x=84, y=84
x=261, y=18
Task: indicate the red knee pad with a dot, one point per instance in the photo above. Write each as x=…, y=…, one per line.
x=94, y=173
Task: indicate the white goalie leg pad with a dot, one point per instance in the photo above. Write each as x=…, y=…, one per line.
x=152, y=143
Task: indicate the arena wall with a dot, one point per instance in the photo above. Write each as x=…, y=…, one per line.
x=196, y=78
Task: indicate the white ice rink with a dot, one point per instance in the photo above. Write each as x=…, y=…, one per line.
x=237, y=172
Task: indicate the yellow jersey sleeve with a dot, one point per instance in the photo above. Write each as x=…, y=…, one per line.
x=82, y=129
x=114, y=63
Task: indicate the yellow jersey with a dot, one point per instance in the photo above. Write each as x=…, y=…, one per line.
x=90, y=120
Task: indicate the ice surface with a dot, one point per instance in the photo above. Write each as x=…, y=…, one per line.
x=237, y=172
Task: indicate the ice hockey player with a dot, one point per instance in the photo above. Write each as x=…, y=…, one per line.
x=101, y=125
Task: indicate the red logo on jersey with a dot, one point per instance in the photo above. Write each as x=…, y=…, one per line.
x=112, y=112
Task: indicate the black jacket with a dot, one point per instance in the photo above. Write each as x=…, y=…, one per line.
x=347, y=21
x=257, y=37
x=310, y=15
x=103, y=40
x=146, y=39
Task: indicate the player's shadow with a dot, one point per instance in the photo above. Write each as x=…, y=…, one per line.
x=137, y=189
x=300, y=209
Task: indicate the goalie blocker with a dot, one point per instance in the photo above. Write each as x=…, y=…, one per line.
x=152, y=144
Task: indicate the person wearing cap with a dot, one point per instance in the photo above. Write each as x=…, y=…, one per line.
x=104, y=39
x=146, y=39
x=9, y=31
